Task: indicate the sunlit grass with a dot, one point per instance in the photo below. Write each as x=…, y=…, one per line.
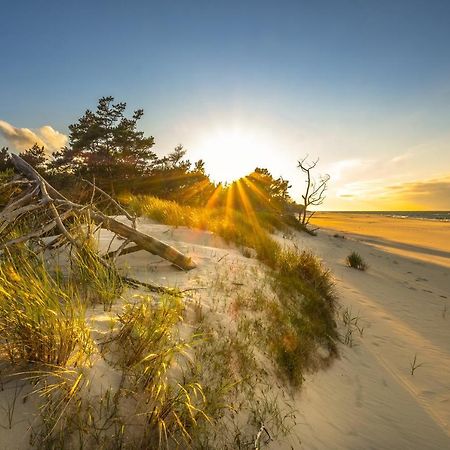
x=232, y=225
x=41, y=318
x=151, y=354
x=98, y=282
x=174, y=392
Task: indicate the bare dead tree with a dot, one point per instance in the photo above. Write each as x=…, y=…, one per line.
x=315, y=189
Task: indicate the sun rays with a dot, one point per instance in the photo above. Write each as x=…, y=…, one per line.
x=249, y=195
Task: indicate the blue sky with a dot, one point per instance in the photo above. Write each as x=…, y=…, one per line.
x=363, y=84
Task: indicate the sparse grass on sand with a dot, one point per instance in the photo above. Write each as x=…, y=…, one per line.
x=304, y=318
x=356, y=261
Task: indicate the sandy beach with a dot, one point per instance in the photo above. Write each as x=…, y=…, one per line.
x=427, y=240
x=368, y=399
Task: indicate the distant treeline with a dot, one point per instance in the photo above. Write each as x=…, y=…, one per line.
x=106, y=147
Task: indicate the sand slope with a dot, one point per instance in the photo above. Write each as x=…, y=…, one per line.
x=368, y=399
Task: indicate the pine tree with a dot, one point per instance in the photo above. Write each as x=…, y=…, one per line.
x=106, y=145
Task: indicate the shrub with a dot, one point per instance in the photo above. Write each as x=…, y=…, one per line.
x=355, y=260
x=306, y=317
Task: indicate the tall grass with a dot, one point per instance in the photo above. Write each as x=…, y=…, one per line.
x=41, y=318
x=356, y=261
x=98, y=282
x=152, y=355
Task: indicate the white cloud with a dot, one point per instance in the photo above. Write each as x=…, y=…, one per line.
x=401, y=158
x=23, y=138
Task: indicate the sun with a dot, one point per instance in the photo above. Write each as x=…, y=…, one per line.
x=232, y=153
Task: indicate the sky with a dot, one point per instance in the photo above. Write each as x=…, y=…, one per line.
x=363, y=85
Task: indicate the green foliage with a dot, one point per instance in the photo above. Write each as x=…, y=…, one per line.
x=355, y=260
x=150, y=348
x=36, y=157
x=5, y=160
x=148, y=333
x=5, y=193
x=304, y=318
x=351, y=324
x=106, y=143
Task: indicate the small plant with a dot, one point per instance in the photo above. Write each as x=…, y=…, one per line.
x=151, y=351
x=355, y=260
x=11, y=406
x=351, y=324
x=59, y=391
x=414, y=365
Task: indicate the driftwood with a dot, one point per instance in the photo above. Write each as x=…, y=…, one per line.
x=52, y=214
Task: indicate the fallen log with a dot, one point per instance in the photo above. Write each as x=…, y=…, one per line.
x=43, y=195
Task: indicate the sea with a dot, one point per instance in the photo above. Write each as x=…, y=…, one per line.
x=442, y=216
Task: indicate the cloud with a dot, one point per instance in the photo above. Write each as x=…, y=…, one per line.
x=401, y=158
x=340, y=169
x=23, y=138
x=427, y=194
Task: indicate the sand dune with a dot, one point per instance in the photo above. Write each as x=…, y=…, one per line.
x=368, y=398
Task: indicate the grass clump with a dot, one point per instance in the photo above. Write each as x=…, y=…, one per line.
x=98, y=282
x=154, y=359
x=356, y=261
x=41, y=319
x=303, y=319
x=230, y=224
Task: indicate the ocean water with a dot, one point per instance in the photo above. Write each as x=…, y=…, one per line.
x=443, y=216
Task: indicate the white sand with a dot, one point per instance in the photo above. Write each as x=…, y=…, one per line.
x=368, y=399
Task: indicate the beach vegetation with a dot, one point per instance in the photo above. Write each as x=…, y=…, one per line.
x=303, y=319
x=414, y=364
x=352, y=324
x=356, y=261
x=41, y=316
x=178, y=383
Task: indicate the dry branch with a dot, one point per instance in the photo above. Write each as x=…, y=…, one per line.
x=41, y=195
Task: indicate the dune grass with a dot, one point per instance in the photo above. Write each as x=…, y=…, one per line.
x=356, y=261
x=41, y=317
x=148, y=348
x=97, y=282
x=232, y=225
